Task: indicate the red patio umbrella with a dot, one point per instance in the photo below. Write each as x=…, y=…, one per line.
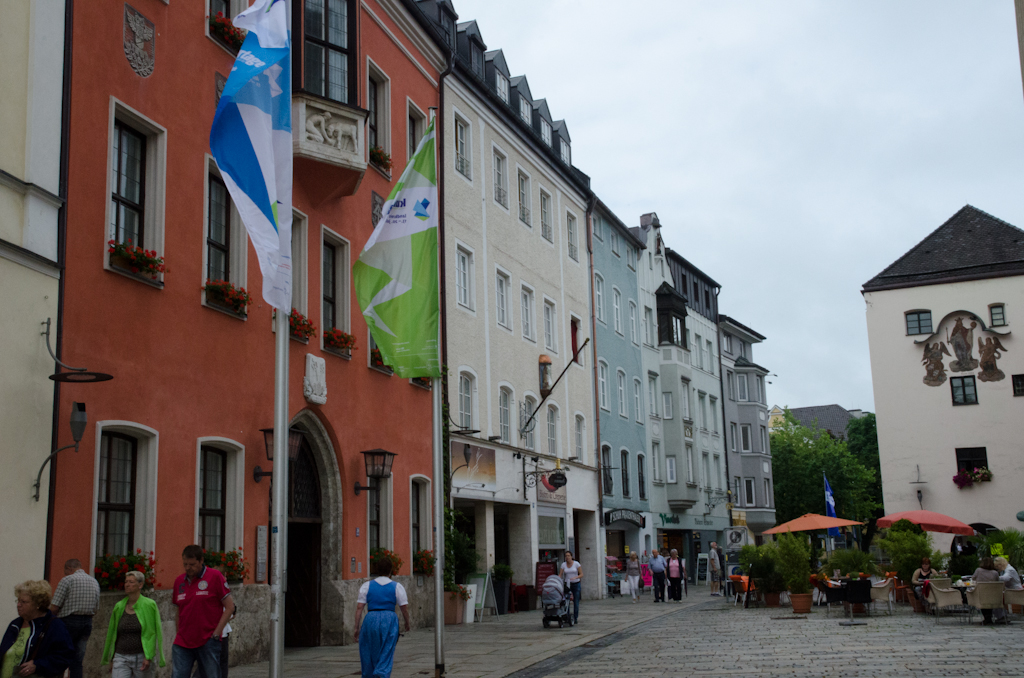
x=929, y=521
x=811, y=522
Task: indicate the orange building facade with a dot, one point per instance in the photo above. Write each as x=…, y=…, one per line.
x=173, y=441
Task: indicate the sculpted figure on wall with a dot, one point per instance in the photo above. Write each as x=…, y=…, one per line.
x=139, y=41
x=961, y=340
x=989, y=350
x=935, y=371
x=337, y=132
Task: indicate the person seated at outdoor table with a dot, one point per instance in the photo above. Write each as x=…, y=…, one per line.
x=920, y=575
x=987, y=572
x=1008, y=574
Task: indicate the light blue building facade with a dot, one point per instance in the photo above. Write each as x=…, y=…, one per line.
x=621, y=394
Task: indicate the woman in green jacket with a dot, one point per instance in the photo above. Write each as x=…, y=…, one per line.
x=134, y=637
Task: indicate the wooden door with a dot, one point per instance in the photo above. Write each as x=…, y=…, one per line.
x=302, y=600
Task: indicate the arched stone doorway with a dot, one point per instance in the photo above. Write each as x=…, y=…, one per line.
x=314, y=539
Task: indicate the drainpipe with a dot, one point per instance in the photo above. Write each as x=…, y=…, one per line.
x=62, y=222
x=721, y=399
x=591, y=202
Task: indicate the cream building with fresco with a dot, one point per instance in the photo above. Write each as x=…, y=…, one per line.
x=517, y=295
x=948, y=374
x=31, y=50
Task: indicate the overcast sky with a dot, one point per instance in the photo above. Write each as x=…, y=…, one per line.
x=792, y=150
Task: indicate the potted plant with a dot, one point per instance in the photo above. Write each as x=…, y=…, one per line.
x=758, y=562
x=339, y=341
x=232, y=564
x=853, y=561
x=110, y=569
x=380, y=158
x=377, y=360
x=455, y=604
x=136, y=260
x=423, y=562
x=300, y=326
x=222, y=28
x=502, y=576
x=225, y=295
x=906, y=545
x=794, y=564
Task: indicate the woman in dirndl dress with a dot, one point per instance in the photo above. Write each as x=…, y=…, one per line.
x=378, y=634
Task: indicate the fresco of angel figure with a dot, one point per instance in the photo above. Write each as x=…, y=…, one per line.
x=989, y=350
x=935, y=371
x=961, y=340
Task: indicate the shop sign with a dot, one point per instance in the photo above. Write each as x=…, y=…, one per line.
x=551, y=488
x=480, y=472
x=626, y=515
x=667, y=518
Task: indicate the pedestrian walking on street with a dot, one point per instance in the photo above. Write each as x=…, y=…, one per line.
x=75, y=602
x=378, y=634
x=658, y=565
x=36, y=643
x=572, y=573
x=135, y=639
x=676, y=574
x=714, y=564
x=633, y=575
x=204, y=606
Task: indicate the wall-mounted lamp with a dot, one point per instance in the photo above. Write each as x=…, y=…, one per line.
x=378, y=466
x=294, y=444
x=78, y=422
x=544, y=372
x=74, y=374
x=919, y=497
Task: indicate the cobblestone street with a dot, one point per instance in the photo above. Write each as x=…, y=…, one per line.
x=700, y=637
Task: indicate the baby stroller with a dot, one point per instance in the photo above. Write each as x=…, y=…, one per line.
x=555, y=596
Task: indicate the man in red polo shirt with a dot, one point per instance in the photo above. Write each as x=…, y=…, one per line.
x=204, y=607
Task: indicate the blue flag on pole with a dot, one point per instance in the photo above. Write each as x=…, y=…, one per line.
x=830, y=506
x=251, y=139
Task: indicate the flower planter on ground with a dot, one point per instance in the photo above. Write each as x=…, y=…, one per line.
x=454, y=606
x=801, y=602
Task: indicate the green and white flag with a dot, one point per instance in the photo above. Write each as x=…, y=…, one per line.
x=396, y=275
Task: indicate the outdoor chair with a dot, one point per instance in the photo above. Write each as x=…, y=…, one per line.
x=859, y=593
x=948, y=601
x=987, y=595
x=1012, y=598
x=884, y=592
x=739, y=587
x=936, y=584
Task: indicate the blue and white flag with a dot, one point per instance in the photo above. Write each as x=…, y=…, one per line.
x=251, y=139
x=830, y=506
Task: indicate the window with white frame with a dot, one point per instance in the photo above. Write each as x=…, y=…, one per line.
x=652, y=394
x=718, y=472
x=379, y=116
x=732, y=435
x=741, y=387
x=463, y=165
x=334, y=291
x=501, y=300
x=684, y=400
x=500, y=179
x=528, y=439
x=602, y=384
x=212, y=497
x=697, y=352
x=505, y=415
x=760, y=389
x=634, y=331
x=552, y=431
x=545, y=217
x=745, y=438
x=464, y=277
x=649, y=329
x=670, y=469
x=638, y=405
x=525, y=110
x=730, y=384
x=598, y=228
x=613, y=235
x=527, y=309
x=764, y=440
x=599, y=296
x=656, y=460
x=620, y=392
x=997, y=315
x=689, y=464
x=137, y=169
x=702, y=406
x=545, y=131
x=666, y=405
x=748, y=498
x=570, y=229
x=705, y=459
x=549, y=326
x=466, y=385
x=477, y=62
x=501, y=82
x=300, y=262
x=709, y=356
x=524, y=198
x=713, y=402
x=416, y=123
x=579, y=438
x=617, y=310
x=116, y=498
x=631, y=257
x=566, y=153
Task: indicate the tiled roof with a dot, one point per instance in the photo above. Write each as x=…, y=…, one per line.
x=972, y=244
x=830, y=418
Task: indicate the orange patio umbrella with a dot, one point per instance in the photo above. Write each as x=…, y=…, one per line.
x=810, y=522
x=929, y=521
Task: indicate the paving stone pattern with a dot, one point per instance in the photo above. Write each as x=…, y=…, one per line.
x=698, y=637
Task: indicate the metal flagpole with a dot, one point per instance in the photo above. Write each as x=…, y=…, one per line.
x=438, y=534
x=279, y=530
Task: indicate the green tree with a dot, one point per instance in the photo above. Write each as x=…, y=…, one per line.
x=799, y=457
x=862, y=441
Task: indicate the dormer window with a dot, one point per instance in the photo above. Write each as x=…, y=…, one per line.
x=525, y=110
x=566, y=155
x=545, y=132
x=501, y=83
x=449, y=29
x=478, y=60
